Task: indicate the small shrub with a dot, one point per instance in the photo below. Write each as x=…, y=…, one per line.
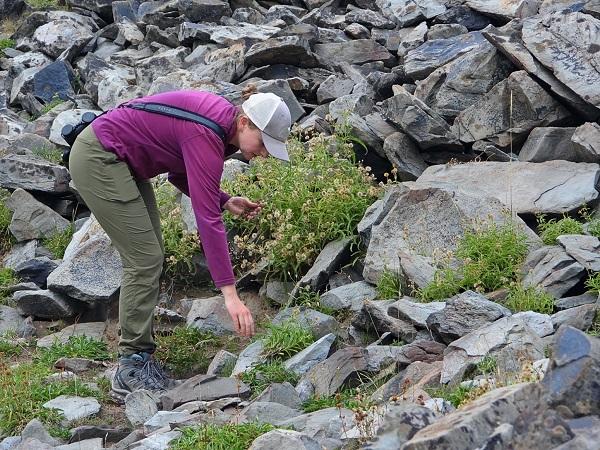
x=58, y=242
x=75, y=347
x=56, y=100
x=344, y=399
x=320, y=197
x=184, y=351
x=53, y=155
x=593, y=227
x=487, y=366
x=263, y=375
x=220, y=437
x=445, y=284
x=285, y=340
x=552, y=228
x=180, y=245
x=530, y=298
x=389, y=285
x=4, y=44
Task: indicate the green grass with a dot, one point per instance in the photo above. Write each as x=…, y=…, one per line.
x=593, y=283
x=530, y=298
x=6, y=238
x=552, y=228
x=220, y=437
x=8, y=278
x=75, y=347
x=285, y=340
x=487, y=366
x=306, y=297
x=455, y=395
x=263, y=375
x=186, y=351
x=389, y=285
x=4, y=44
x=594, y=329
x=344, y=399
x=43, y=4
x=58, y=242
x=53, y=155
x=490, y=258
x=8, y=348
x=319, y=197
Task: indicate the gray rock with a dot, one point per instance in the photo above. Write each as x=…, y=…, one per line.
x=373, y=317
x=399, y=424
x=91, y=273
x=205, y=388
x=369, y=18
x=88, y=444
x=44, y=303
x=161, y=63
x=210, y=314
x=445, y=31
x=552, y=187
x=36, y=270
x=463, y=314
x=282, y=393
x=585, y=141
x=487, y=120
x=455, y=86
x=411, y=38
x=322, y=424
x=408, y=12
x=12, y=321
x=587, y=433
x=76, y=365
x=580, y=317
x=10, y=442
x=548, y=143
x=140, y=406
x=221, y=361
x=430, y=220
x=333, y=255
x=269, y=412
x=277, y=291
x=505, y=10
x=584, y=249
x=158, y=441
x=414, y=312
x=409, y=383
x=404, y=155
x=572, y=378
x=578, y=300
x=341, y=367
x=358, y=31
x=381, y=356
x=32, y=219
x=288, y=439
x=423, y=60
x=164, y=418
x=248, y=357
x=334, y=87
x=473, y=347
x=221, y=34
x=551, y=269
x=312, y=355
x=93, y=330
x=63, y=30
x=74, y=407
x=53, y=80
x=36, y=430
x=20, y=253
x=281, y=50
x=558, y=34
x=350, y=296
x=358, y=51
x=541, y=324
x=320, y=324
x=416, y=119
x=358, y=103
x=378, y=210
x=419, y=271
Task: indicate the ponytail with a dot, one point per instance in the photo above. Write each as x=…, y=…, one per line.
x=248, y=90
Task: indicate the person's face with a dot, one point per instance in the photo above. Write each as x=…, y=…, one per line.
x=250, y=140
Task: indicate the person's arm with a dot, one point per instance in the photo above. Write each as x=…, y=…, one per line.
x=203, y=158
x=179, y=180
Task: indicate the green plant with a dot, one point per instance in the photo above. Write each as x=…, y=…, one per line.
x=220, y=437
x=594, y=329
x=6, y=238
x=58, y=242
x=180, y=245
x=185, y=350
x=343, y=399
x=56, y=100
x=75, y=347
x=4, y=44
x=8, y=278
x=318, y=198
x=8, y=348
x=455, y=395
x=552, y=228
x=531, y=298
x=263, y=375
x=53, y=155
x=389, y=285
x=593, y=283
x=285, y=339
x=487, y=366
x=44, y=4
x=490, y=257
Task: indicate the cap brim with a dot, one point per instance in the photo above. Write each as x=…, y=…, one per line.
x=275, y=148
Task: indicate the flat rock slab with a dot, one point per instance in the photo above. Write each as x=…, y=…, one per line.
x=285, y=439
x=508, y=9
x=11, y=321
x=380, y=356
x=205, y=388
x=325, y=423
x=312, y=355
x=74, y=407
x=320, y=324
x=249, y=357
x=358, y=51
x=584, y=249
x=374, y=318
x=210, y=314
x=349, y=296
x=44, y=303
x=567, y=43
x=269, y=412
x=415, y=312
x=93, y=330
x=551, y=187
x=32, y=173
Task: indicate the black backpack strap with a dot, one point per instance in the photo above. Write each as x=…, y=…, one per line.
x=179, y=113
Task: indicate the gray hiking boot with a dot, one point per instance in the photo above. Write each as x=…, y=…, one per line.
x=139, y=371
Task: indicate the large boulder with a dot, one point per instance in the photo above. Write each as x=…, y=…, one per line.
x=549, y=187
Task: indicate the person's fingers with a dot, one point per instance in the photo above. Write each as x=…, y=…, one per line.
x=244, y=322
x=249, y=203
x=251, y=322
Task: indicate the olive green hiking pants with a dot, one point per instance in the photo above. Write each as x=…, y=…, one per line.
x=126, y=209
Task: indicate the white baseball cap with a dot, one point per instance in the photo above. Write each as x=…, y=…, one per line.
x=272, y=117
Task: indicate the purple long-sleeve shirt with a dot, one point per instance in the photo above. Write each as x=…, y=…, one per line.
x=191, y=154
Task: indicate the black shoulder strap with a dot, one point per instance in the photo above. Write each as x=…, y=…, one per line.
x=179, y=113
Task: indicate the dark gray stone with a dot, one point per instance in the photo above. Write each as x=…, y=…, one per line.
x=44, y=304
x=205, y=388
x=36, y=270
x=373, y=318
x=548, y=143
x=320, y=324
x=580, y=317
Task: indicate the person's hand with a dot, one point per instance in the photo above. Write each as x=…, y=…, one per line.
x=242, y=206
x=240, y=314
